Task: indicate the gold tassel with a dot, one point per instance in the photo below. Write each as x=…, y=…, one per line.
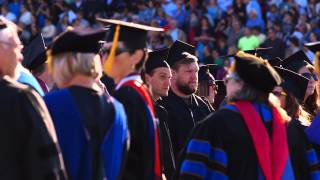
x=49, y=61
x=316, y=62
x=107, y=66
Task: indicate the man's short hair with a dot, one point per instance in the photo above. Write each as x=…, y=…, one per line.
x=187, y=59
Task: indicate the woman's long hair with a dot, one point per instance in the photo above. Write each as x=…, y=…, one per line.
x=311, y=104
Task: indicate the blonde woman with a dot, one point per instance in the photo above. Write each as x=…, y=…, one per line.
x=91, y=125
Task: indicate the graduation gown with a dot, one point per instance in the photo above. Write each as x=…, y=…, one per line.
x=140, y=157
x=29, y=148
x=221, y=147
x=92, y=132
x=167, y=160
x=305, y=161
x=183, y=117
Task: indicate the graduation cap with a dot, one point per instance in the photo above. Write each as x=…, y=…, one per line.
x=204, y=72
x=275, y=61
x=34, y=54
x=293, y=82
x=75, y=40
x=72, y=40
x=157, y=59
x=177, y=49
x=296, y=61
x=255, y=71
x=133, y=35
x=313, y=46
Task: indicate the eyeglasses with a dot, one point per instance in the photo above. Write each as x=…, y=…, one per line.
x=212, y=84
x=279, y=93
x=310, y=75
x=105, y=50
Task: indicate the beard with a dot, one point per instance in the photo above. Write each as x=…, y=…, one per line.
x=185, y=88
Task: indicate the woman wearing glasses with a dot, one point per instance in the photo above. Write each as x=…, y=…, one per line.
x=235, y=141
x=299, y=63
x=291, y=93
x=207, y=87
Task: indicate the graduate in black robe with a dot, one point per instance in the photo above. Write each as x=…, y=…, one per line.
x=124, y=59
x=91, y=125
x=246, y=139
x=291, y=93
x=29, y=143
x=184, y=108
x=157, y=76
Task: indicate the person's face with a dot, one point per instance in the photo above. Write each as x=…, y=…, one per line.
x=187, y=78
x=278, y=91
x=10, y=53
x=212, y=92
x=159, y=81
x=233, y=84
x=312, y=80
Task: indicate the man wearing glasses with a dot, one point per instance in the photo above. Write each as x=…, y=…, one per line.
x=29, y=143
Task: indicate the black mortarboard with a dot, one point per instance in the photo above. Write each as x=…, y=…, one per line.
x=293, y=82
x=275, y=61
x=157, y=59
x=132, y=34
x=34, y=54
x=313, y=46
x=296, y=61
x=204, y=72
x=176, y=50
x=73, y=40
x=256, y=71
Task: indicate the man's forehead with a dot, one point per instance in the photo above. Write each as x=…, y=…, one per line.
x=163, y=70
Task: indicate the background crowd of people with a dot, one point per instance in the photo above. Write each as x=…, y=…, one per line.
x=215, y=27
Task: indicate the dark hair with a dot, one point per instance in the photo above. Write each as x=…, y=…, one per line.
x=39, y=70
x=311, y=104
x=203, y=88
x=292, y=105
x=295, y=110
x=138, y=67
x=187, y=59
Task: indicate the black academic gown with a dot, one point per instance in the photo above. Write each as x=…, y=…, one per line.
x=183, y=117
x=139, y=159
x=299, y=146
x=227, y=135
x=97, y=115
x=93, y=116
x=29, y=148
x=167, y=160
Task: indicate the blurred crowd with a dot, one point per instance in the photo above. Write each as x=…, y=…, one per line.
x=216, y=27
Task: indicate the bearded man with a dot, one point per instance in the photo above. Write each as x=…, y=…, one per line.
x=184, y=108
